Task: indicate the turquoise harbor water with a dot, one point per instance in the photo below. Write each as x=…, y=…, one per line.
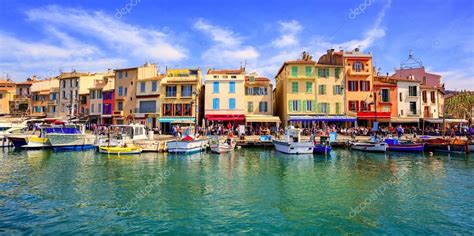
x=251, y=190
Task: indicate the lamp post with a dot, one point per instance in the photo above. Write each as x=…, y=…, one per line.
x=196, y=109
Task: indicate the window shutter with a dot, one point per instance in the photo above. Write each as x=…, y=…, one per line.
x=304, y=105
x=299, y=105
x=327, y=73
x=319, y=72
x=290, y=105
x=319, y=108
x=328, y=108
x=313, y=106
x=334, y=89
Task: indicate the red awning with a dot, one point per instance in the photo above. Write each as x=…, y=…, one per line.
x=225, y=117
x=371, y=114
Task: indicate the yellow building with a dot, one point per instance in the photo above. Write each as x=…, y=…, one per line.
x=179, y=92
x=40, y=96
x=258, y=104
x=224, y=90
x=330, y=92
x=125, y=90
x=7, y=93
x=296, y=91
x=148, y=101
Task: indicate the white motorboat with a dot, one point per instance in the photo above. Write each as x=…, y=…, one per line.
x=292, y=144
x=188, y=145
x=373, y=145
x=6, y=129
x=219, y=145
x=118, y=135
x=69, y=138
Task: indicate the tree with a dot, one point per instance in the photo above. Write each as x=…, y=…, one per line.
x=461, y=105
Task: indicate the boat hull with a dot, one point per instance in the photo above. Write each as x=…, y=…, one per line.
x=36, y=142
x=187, y=147
x=222, y=148
x=18, y=141
x=293, y=148
x=321, y=149
x=370, y=147
x=120, y=150
x=415, y=147
x=71, y=141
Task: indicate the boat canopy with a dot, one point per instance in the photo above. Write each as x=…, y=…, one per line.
x=323, y=118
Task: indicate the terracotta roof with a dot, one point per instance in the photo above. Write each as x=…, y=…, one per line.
x=405, y=80
x=378, y=83
x=429, y=86
x=260, y=79
x=226, y=71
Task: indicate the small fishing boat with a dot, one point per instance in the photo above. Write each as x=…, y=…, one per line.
x=373, y=145
x=404, y=146
x=222, y=146
x=322, y=147
x=446, y=145
x=187, y=145
x=126, y=150
x=292, y=144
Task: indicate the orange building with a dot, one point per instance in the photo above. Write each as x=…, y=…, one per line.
x=386, y=97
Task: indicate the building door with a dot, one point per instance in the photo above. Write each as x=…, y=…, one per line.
x=427, y=112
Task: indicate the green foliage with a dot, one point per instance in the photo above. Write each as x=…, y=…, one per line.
x=460, y=105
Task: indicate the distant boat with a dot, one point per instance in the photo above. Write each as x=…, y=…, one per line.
x=373, y=145
x=222, y=146
x=292, y=144
x=404, y=146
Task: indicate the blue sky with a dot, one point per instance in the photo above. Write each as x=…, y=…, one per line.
x=43, y=37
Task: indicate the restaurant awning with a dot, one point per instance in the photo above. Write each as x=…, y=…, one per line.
x=405, y=120
x=372, y=115
x=177, y=120
x=262, y=118
x=225, y=117
x=323, y=118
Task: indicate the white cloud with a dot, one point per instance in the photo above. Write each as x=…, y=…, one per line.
x=227, y=48
x=289, y=31
x=139, y=42
x=458, y=79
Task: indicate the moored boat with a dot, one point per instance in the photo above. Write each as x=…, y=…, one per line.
x=222, y=146
x=187, y=145
x=292, y=144
x=404, y=146
x=373, y=145
x=323, y=147
x=447, y=145
x=118, y=150
x=69, y=138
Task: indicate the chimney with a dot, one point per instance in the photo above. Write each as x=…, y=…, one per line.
x=332, y=50
x=356, y=49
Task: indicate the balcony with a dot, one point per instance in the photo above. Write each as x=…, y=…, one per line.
x=362, y=72
x=414, y=113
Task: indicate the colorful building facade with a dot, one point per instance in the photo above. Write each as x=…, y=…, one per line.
x=224, y=90
x=148, y=101
x=258, y=102
x=179, y=93
x=7, y=93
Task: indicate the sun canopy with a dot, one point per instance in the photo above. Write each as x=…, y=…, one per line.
x=323, y=118
x=177, y=120
x=262, y=118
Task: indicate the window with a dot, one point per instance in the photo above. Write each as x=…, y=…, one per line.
x=323, y=107
x=92, y=94
x=294, y=87
x=188, y=110
x=167, y=108
x=125, y=91
x=323, y=72
x=294, y=71
x=294, y=105
x=120, y=91
x=64, y=94
x=53, y=96
x=425, y=97
x=64, y=83
x=250, y=107
x=225, y=76
x=186, y=90
x=147, y=107
x=178, y=109
x=215, y=87
x=215, y=103
x=358, y=66
x=337, y=72
x=337, y=90
x=92, y=107
x=120, y=106
x=353, y=106
x=171, y=91
x=308, y=71
x=126, y=74
x=99, y=108
x=322, y=89
x=338, y=108
x=363, y=106
x=99, y=94
x=233, y=76
x=70, y=82
x=413, y=108
x=400, y=98
x=353, y=86
x=120, y=74
x=385, y=95
x=309, y=105
x=154, y=86
x=412, y=91
x=262, y=106
x=231, y=87
x=77, y=82
x=142, y=87
x=309, y=87
x=364, y=85
x=231, y=103
x=433, y=97
x=215, y=76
